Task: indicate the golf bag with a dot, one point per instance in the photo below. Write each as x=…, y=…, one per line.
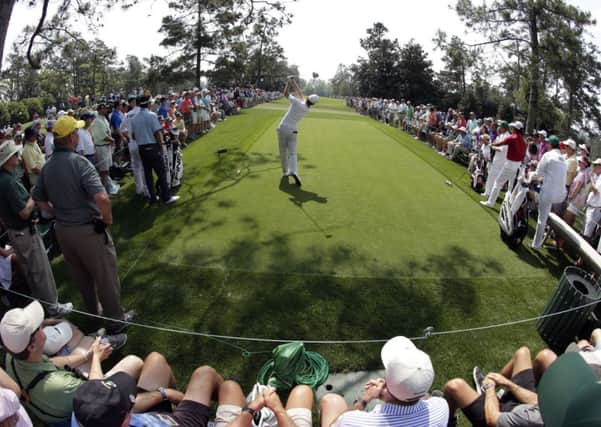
x=478, y=173
x=515, y=211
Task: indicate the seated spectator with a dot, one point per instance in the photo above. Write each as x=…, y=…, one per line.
x=590, y=350
x=233, y=409
x=119, y=401
x=47, y=386
x=11, y=412
x=180, y=126
x=409, y=376
x=518, y=403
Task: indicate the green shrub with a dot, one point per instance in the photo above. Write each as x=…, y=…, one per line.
x=18, y=111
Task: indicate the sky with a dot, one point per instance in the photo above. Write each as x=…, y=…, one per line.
x=323, y=34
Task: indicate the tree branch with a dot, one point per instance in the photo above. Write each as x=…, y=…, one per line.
x=34, y=62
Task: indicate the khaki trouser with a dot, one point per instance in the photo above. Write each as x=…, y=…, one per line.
x=92, y=259
x=30, y=249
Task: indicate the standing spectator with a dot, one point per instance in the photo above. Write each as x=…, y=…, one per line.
x=516, y=151
x=146, y=129
x=134, y=154
x=70, y=187
x=85, y=146
x=163, y=108
x=409, y=376
x=49, y=140
x=117, y=117
x=16, y=212
x=578, y=192
x=186, y=107
x=552, y=169
x=103, y=146
x=570, y=148
x=33, y=158
x=541, y=142
x=593, y=201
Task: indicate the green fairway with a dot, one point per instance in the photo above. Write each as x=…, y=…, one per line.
x=375, y=244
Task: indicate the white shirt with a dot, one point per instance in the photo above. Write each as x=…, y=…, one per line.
x=594, y=198
x=298, y=109
x=553, y=168
x=500, y=155
x=85, y=145
x=125, y=124
x=49, y=145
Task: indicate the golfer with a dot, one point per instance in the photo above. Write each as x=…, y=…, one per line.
x=287, y=131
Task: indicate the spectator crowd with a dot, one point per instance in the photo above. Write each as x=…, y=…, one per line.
x=499, y=156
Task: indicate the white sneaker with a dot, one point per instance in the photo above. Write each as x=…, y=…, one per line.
x=485, y=203
x=172, y=200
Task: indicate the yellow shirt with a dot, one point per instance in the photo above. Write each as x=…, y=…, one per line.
x=32, y=157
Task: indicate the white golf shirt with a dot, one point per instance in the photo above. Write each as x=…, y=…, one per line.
x=298, y=109
x=553, y=168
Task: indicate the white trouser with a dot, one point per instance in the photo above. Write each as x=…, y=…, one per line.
x=544, y=208
x=493, y=173
x=507, y=173
x=288, y=156
x=591, y=218
x=137, y=168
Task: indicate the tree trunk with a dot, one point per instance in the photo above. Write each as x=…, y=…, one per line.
x=198, y=39
x=6, y=10
x=534, y=68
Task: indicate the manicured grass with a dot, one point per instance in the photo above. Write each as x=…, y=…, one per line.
x=375, y=244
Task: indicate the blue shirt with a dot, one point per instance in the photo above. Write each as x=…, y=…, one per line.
x=143, y=126
x=116, y=119
x=163, y=110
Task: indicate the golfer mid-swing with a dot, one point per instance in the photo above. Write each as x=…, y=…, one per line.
x=287, y=131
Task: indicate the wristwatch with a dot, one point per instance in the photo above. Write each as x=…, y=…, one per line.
x=163, y=393
x=251, y=411
x=487, y=386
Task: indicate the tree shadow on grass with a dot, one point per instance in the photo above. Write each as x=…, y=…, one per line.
x=298, y=195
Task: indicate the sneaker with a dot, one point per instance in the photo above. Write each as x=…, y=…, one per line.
x=485, y=203
x=59, y=310
x=297, y=179
x=116, y=341
x=172, y=200
x=478, y=378
x=119, y=328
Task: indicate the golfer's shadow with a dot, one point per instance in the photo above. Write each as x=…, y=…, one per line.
x=299, y=196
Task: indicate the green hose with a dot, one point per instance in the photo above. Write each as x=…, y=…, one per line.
x=291, y=365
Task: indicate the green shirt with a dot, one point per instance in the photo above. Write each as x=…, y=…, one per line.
x=53, y=394
x=100, y=130
x=13, y=198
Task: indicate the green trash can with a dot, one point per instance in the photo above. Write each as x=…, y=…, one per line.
x=575, y=288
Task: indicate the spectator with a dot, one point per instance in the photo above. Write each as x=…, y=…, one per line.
x=409, y=376
x=553, y=171
x=578, y=191
x=118, y=401
x=570, y=149
x=516, y=150
x=234, y=411
x=103, y=145
x=147, y=131
x=541, y=142
x=49, y=388
x=33, y=158
x=85, y=145
x=593, y=201
x=12, y=414
x=518, y=404
x=49, y=140
x=16, y=212
x=134, y=153
x=70, y=187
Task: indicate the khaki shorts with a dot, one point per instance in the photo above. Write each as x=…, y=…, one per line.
x=228, y=413
x=104, y=157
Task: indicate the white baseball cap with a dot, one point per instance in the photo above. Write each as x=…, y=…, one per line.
x=570, y=143
x=57, y=336
x=543, y=133
x=313, y=99
x=518, y=125
x=409, y=371
x=18, y=325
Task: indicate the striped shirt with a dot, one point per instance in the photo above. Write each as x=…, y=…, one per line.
x=432, y=412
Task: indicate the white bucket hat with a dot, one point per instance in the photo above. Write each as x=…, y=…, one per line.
x=57, y=336
x=313, y=99
x=8, y=149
